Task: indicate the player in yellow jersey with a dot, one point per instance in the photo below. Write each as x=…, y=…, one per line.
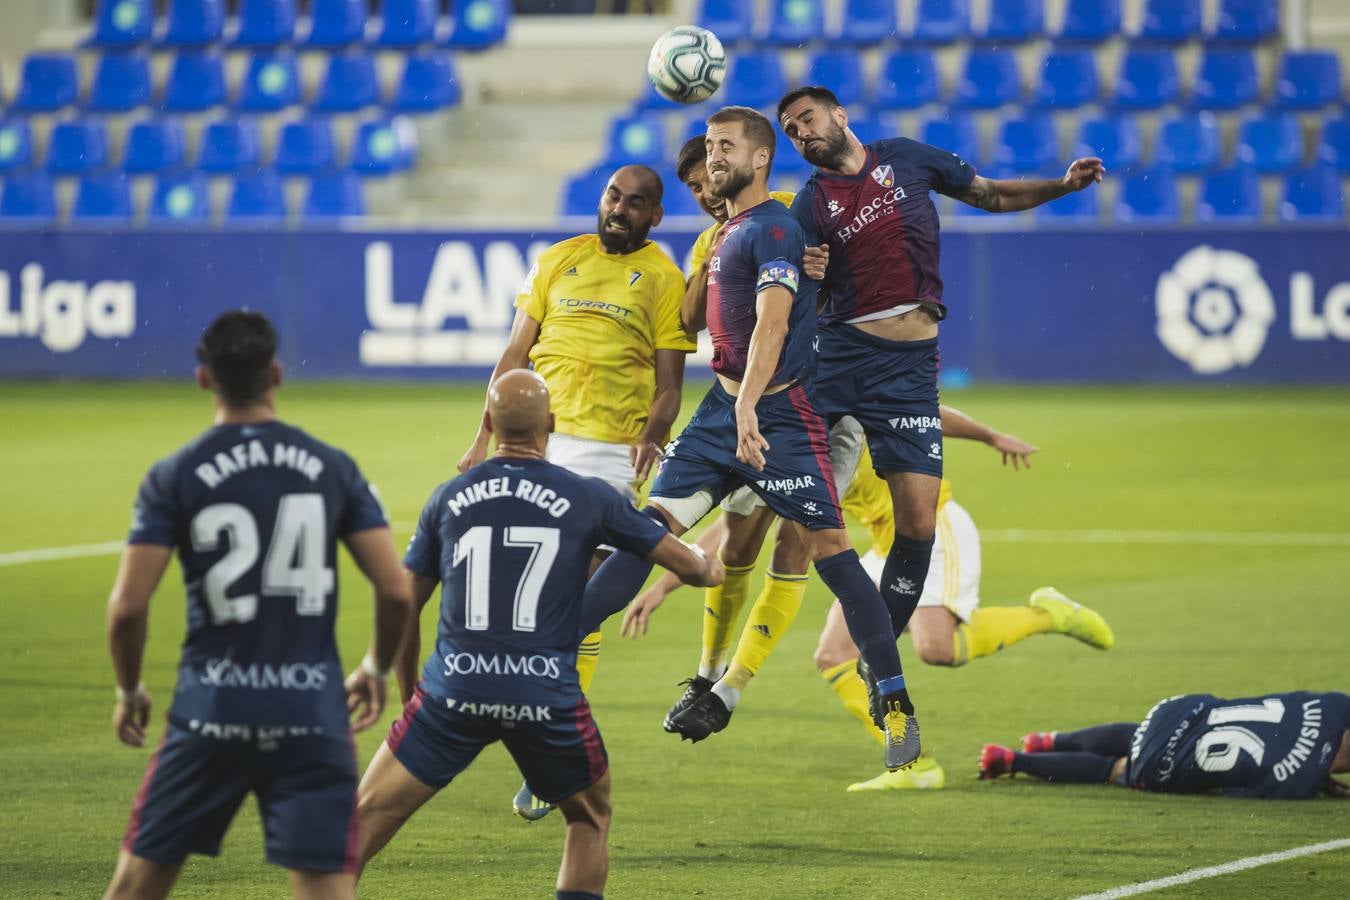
x=599, y=319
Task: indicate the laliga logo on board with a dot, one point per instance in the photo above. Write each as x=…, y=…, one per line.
x=63, y=313
x=1214, y=310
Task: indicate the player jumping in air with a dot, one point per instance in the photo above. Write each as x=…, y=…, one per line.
x=757, y=426
x=881, y=301
x=254, y=508
x=599, y=319
x=1279, y=746
x=510, y=542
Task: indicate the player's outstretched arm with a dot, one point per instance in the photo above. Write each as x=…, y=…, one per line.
x=524, y=335
x=1006, y=195
x=649, y=601
x=665, y=407
x=138, y=575
x=689, y=563
x=694, y=305
x=956, y=424
x=368, y=685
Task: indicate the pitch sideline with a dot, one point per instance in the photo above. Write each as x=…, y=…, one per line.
x=1237, y=865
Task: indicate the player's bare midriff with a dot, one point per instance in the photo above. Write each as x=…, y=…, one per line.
x=916, y=325
x=733, y=387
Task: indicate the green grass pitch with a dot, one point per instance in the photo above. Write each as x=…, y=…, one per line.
x=760, y=810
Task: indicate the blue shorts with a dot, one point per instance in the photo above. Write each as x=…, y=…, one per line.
x=557, y=749
x=797, y=481
x=306, y=789
x=891, y=388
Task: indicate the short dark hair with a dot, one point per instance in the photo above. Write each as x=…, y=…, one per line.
x=238, y=349
x=693, y=154
x=756, y=127
x=811, y=91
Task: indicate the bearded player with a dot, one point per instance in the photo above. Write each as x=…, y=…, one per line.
x=881, y=301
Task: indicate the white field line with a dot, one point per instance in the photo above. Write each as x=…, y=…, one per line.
x=994, y=535
x=1237, y=865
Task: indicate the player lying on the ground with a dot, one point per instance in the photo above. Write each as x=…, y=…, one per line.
x=1277, y=746
x=254, y=508
x=510, y=542
x=757, y=427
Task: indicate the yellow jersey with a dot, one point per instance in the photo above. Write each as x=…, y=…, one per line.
x=602, y=317
x=869, y=501
x=699, y=255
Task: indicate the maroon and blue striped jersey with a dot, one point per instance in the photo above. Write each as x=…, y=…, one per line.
x=881, y=227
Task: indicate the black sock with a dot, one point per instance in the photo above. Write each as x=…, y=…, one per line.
x=1065, y=768
x=864, y=612
x=902, y=578
x=578, y=895
x=1108, y=740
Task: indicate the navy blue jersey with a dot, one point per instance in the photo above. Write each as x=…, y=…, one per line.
x=881, y=227
x=511, y=542
x=255, y=512
x=757, y=249
x=1279, y=746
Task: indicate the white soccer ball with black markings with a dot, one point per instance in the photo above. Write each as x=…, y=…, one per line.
x=687, y=64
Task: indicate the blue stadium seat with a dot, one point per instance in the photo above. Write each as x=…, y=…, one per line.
x=383, y=146
x=334, y=195
x=1247, y=21
x=867, y=22
x=1090, y=21
x=1113, y=138
x=180, y=199
x=1026, y=144
x=581, y=192
x=1148, y=196
x=1188, y=143
x=428, y=84
x=941, y=21
x=193, y=23
x=1308, y=79
x=335, y=23
x=122, y=23
x=47, y=83
x=1147, y=79
x=840, y=70
x=754, y=79
x=1229, y=195
x=304, y=146
x=1226, y=79
x=731, y=20
x=153, y=145
x=1333, y=142
x=988, y=79
x=121, y=82
x=1171, y=21
x=635, y=139
x=102, y=197
x=1068, y=79
x=793, y=23
x=29, y=196
x=406, y=23
x=1313, y=195
x=955, y=133
x=1080, y=206
x=271, y=82
x=652, y=101
x=479, y=24
x=16, y=144
x=348, y=85
x=1269, y=142
x=908, y=79
x=265, y=23
x=76, y=146
x=1014, y=21
x=196, y=82
x=257, y=197
x=865, y=128
x=229, y=145
x=677, y=201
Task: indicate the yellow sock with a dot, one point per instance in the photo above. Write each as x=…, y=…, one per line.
x=770, y=618
x=588, y=658
x=853, y=694
x=721, y=608
x=995, y=627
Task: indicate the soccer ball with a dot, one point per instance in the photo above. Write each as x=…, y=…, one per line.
x=687, y=64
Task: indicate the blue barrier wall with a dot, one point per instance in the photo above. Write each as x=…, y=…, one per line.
x=1161, y=306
